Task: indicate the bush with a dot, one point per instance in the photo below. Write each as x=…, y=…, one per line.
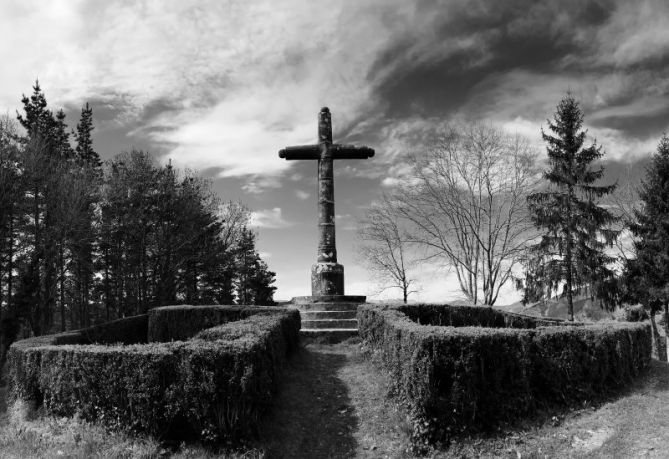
x=175, y=323
x=480, y=316
x=463, y=378
x=213, y=387
x=635, y=313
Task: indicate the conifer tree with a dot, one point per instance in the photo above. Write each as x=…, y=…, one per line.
x=648, y=273
x=253, y=281
x=575, y=229
x=261, y=283
x=38, y=120
x=84, y=150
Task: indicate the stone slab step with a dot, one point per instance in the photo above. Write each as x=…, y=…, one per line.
x=325, y=306
x=329, y=299
x=326, y=335
x=330, y=323
x=319, y=315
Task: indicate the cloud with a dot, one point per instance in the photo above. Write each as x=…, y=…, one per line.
x=258, y=184
x=302, y=194
x=269, y=219
x=226, y=84
x=636, y=33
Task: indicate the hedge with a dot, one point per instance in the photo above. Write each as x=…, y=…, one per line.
x=175, y=323
x=457, y=379
x=213, y=387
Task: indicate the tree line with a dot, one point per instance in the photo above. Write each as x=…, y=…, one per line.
x=83, y=242
x=479, y=203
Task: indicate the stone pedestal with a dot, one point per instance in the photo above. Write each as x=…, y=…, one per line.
x=327, y=279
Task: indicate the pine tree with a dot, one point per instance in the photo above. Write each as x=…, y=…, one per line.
x=571, y=251
x=38, y=120
x=253, y=280
x=84, y=150
x=648, y=273
x=61, y=138
x=245, y=268
x=261, y=283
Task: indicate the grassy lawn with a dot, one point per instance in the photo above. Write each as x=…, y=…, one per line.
x=333, y=404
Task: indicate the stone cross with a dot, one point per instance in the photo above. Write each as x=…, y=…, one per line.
x=327, y=276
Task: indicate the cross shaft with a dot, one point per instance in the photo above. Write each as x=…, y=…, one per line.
x=327, y=276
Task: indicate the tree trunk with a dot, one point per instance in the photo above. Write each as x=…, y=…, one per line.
x=570, y=300
x=660, y=341
x=10, y=260
x=666, y=319
x=61, y=262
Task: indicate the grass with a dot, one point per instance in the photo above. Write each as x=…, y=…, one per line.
x=333, y=404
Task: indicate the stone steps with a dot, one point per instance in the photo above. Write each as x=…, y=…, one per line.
x=340, y=306
x=330, y=324
x=328, y=321
x=328, y=335
x=324, y=315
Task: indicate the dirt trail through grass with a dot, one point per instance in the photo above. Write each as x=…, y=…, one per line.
x=333, y=404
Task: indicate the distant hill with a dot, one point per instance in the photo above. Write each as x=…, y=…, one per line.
x=584, y=309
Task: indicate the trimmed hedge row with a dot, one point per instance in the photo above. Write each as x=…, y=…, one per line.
x=462, y=316
x=178, y=323
x=213, y=387
x=465, y=378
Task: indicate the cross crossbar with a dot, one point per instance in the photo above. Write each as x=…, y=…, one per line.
x=327, y=274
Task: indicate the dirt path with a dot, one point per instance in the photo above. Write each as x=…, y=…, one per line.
x=333, y=404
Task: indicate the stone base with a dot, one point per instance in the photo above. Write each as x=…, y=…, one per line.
x=327, y=279
x=359, y=299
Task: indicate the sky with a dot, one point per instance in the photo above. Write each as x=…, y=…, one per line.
x=220, y=86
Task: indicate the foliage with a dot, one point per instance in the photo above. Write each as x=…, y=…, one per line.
x=213, y=387
x=464, y=203
x=457, y=379
x=651, y=231
x=253, y=282
x=183, y=322
x=575, y=228
x=82, y=242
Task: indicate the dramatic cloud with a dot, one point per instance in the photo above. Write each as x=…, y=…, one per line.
x=222, y=85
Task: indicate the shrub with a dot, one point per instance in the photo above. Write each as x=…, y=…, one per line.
x=463, y=378
x=174, y=323
x=213, y=387
x=460, y=316
x=635, y=313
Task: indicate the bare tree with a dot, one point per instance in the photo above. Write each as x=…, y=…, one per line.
x=466, y=203
x=623, y=201
x=385, y=247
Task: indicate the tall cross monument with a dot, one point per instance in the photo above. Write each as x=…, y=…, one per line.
x=327, y=276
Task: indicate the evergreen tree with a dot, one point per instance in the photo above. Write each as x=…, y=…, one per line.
x=571, y=251
x=41, y=173
x=61, y=138
x=84, y=151
x=38, y=120
x=648, y=273
x=261, y=283
x=245, y=265
x=253, y=280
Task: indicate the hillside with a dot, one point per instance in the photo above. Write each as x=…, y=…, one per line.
x=584, y=309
